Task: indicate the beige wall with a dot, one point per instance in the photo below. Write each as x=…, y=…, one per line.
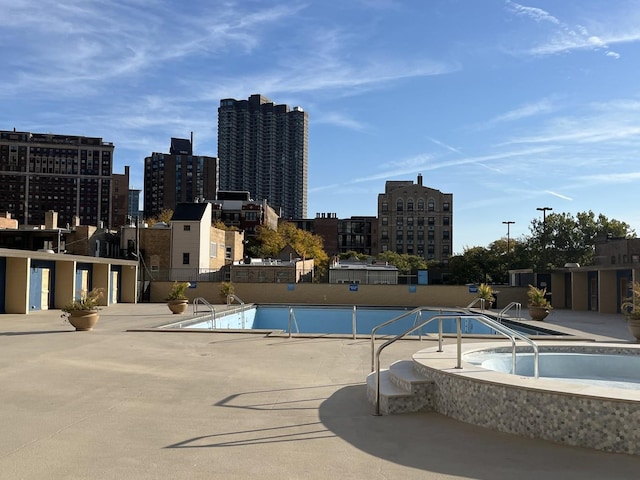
x=327, y=294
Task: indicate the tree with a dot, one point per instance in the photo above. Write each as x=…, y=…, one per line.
x=404, y=262
x=164, y=216
x=563, y=238
x=271, y=242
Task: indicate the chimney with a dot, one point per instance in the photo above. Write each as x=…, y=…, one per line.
x=51, y=220
x=420, y=179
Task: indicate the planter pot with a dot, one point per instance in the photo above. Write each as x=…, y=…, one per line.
x=634, y=328
x=538, y=313
x=83, y=320
x=178, y=306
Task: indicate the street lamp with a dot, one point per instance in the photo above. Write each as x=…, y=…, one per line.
x=508, y=223
x=544, y=211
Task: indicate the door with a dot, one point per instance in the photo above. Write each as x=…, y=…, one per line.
x=45, y=288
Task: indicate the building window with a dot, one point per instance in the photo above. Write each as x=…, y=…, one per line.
x=385, y=207
x=421, y=205
x=399, y=205
x=431, y=221
x=213, y=252
x=409, y=205
x=186, y=228
x=446, y=207
x=185, y=258
x=445, y=220
x=445, y=235
x=227, y=253
x=385, y=220
x=431, y=206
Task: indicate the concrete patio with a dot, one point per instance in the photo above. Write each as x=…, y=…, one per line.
x=114, y=403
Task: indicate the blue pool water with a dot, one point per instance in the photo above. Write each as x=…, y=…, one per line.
x=339, y=320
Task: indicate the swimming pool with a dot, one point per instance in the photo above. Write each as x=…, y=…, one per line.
x=314, y=319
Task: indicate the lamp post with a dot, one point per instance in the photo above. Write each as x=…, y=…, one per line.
x=508, y=223
x=544, y=211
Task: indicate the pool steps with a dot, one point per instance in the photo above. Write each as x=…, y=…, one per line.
x=402, y=389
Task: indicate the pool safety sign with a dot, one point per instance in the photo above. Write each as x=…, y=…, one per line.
x=353, y=287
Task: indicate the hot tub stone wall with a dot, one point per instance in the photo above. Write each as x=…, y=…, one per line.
x=605, y=424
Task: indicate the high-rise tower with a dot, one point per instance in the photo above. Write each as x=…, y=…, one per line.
x=262, y=149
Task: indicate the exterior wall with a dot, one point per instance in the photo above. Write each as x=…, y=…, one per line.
x=120, y=199
x=416, y=220
x=7, y=222
x=155, y=246
x=327, y=294
x=217, y=237
x=71, y=174
x=235, y=240
x=64, y=273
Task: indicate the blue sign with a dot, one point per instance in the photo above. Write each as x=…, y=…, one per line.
x=193, y=284
x=423, y=277
x=353, y=287
x=412, y=289
x=291, y=287
x=473, y=289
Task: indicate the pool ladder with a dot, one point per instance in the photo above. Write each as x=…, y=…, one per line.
x=497, y=326
x=201, y=301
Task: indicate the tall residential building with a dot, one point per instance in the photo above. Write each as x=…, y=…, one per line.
x=71, y=175
x=178, y=177
x=416, y=220
x=262, y=149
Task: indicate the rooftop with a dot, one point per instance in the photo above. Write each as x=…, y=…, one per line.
x=116, y=403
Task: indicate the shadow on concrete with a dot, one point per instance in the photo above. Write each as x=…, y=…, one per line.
x=434, y=443
x=43, y=332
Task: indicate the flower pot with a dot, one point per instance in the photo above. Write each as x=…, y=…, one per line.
x=634, y=327
x=178, y=306
x=83, y=320
x=538, y=313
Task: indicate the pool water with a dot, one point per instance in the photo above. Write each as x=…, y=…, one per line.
x=609, y=370
x=340, y=320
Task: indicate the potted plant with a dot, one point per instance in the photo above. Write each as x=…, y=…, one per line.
x=485, y=292
x=539, y=305
x=226, y=289
x=82, y=312
x=177, y=299
x=631, y=309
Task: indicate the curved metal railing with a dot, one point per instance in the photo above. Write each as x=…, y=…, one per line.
x=513, y=305
x=497, y=326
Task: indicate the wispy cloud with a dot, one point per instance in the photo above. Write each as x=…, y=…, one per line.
x=558, y=195
x=444, y=145
x=529, y=110
x=564, y=37
x=341, y=120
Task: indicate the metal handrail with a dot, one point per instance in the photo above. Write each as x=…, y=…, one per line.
x=292, y=319
x=417, y=311
x=230, y=298
x=201, y=301
x=506, y=331
x=515, y=305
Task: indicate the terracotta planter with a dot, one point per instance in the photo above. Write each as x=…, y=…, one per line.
x=634, y=327
x=538, y=313
x=178, y=306
x=83, y=320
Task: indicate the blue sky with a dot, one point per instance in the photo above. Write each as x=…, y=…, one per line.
x=509, y=106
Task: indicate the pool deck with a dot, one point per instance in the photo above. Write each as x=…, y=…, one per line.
x=121, y=404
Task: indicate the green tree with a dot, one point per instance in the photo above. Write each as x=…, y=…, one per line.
x=404, y=262
x=563, y=238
